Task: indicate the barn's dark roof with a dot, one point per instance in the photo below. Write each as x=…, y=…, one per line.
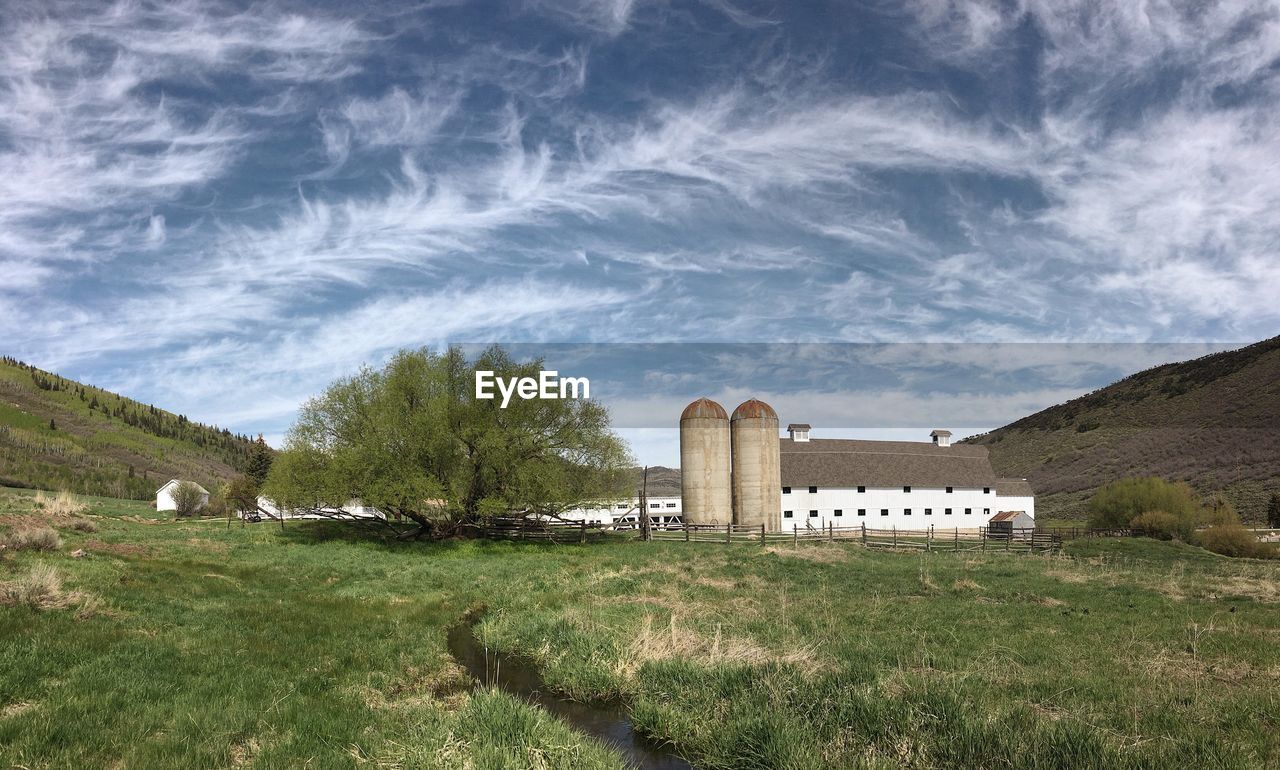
x=856, y=462
x=1014, y=488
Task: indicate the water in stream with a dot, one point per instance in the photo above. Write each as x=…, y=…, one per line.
x=607, y=723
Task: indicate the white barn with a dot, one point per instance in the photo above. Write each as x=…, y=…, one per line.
x=164, y=495
x=625, y=513
x=354, y=509
x=892, y=484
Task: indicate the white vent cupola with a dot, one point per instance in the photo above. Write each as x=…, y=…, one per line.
x=941, y=437
x=798, y=431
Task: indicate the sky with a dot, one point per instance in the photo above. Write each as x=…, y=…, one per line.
x=220, y=208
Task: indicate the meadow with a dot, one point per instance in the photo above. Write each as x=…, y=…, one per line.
x=194, y=644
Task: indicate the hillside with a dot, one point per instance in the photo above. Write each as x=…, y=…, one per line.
x=1213, y=422
x=56, y=433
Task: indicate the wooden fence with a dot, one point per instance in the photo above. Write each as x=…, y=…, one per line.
x=931, y=539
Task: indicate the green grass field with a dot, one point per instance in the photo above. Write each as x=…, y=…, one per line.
x=188, y=644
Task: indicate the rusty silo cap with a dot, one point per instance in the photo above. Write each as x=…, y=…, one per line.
x=753, y=409
x=704, y=408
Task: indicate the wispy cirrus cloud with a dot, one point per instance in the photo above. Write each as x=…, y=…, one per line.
x=228, y=185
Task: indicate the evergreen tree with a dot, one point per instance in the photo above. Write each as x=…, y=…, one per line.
x=1273, y=510
x=259, y=464
x=52, y=424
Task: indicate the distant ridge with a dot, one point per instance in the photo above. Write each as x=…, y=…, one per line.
x=57, y=433
x=1213, y=422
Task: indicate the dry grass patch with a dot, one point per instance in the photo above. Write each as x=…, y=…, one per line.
x=822, y=554
x=966, y=584
x=446, y=688
x=62, y=504
x=672, y=640
x=16, y=709
x=41, y=588
x=116, y=549
x=1265, y=588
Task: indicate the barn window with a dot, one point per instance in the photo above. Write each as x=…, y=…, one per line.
x=862, y=489
x=928, y=511
x=813, y=514
x=839, y=512
x=813, y=489
x=671, y=505
x=786, y=514
x=655, y=505
x=948, y=490
x=906, y=489
x=968, y=511
x=862, y=511
x=884, y=511
x=623, y=506
x=986, y=490
x=947, y=512
x=906, y=511
x=786, y=490
x=986, y=511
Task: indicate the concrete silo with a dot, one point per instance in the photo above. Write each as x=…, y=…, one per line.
x=757, y=472
x=704, y=463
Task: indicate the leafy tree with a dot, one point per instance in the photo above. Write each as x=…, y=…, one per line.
x=1115, y=505
x=413, y=440
x=1273, y=510
x=242, y=495
x=260, y=457
x=187, y=499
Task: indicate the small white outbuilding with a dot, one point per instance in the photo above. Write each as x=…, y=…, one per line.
x=164, y=495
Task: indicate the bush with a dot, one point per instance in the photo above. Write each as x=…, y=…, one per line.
x=1115, y=505
x=1162, y=525
x=187, y=499
x=1235, y=540
x=83, y=525
x=34, y=539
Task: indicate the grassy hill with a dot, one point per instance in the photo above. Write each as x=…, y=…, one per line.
x=56, y=433
x=1213, y=422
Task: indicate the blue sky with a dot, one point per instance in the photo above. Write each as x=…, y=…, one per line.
x=219, y=208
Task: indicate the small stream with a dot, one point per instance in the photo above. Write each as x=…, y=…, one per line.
x=607, y=723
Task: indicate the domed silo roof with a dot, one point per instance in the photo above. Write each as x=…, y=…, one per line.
x=704, y=408
x=754, y=409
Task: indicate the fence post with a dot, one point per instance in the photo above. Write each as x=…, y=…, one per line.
x=864, y=533
x=686, y=531
x=957, y=544
x=1008, y=540
x=985, y=531
x=831, y=531
x=795, y=535
x=928, y=539
x=895, y=535
x=761, y=534
x=728, y=533
x=582, y=537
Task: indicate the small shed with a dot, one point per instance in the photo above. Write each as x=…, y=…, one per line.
x=164, y=495
x=1010, y=523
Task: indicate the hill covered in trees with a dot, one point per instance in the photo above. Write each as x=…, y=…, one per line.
x=1213, y=422
x=56, y=433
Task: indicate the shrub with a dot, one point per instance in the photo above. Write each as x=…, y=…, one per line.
x=34, y=539
x=1219, y=510
x=1162, y=525
x=1235, y=540
x=187, y=499
x=83, y=525
x=1116, y=504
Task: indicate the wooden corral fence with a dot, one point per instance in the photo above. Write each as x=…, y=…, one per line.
x=519, y=528
x=931, y=539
